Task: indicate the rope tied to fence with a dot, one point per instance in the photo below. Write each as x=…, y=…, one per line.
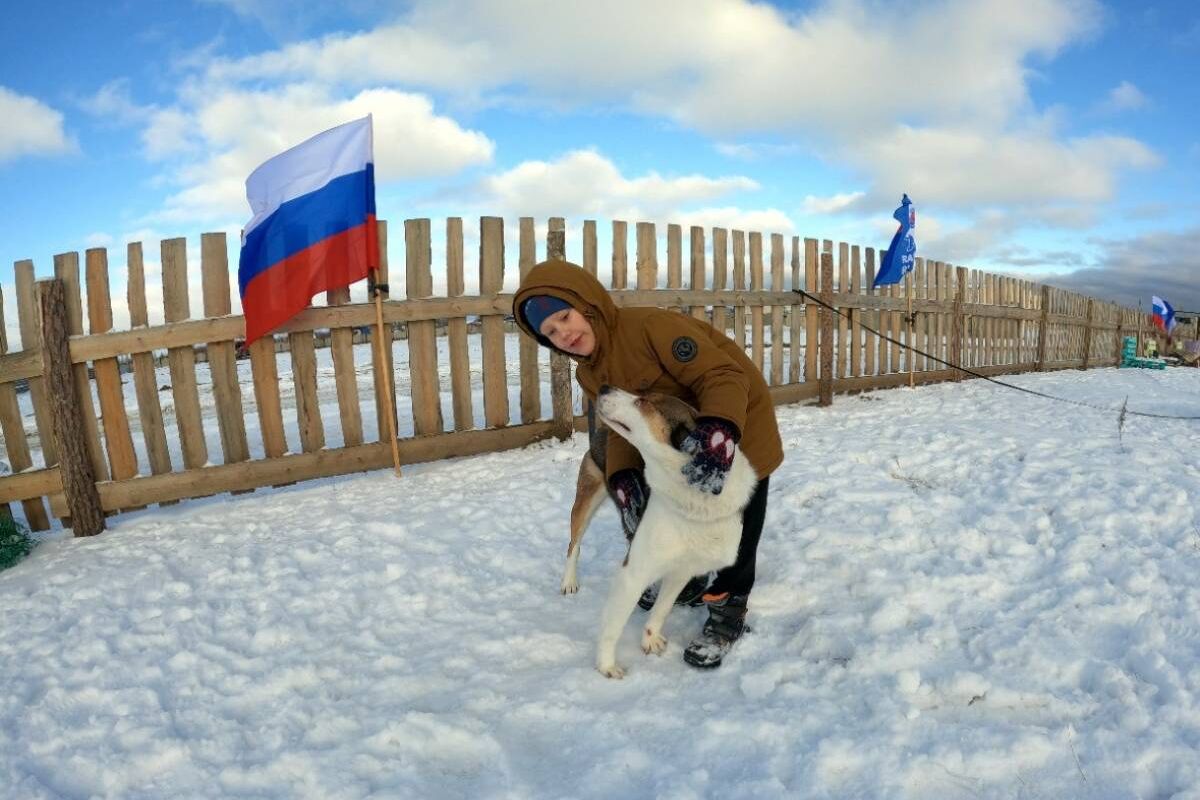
x=1123, y=409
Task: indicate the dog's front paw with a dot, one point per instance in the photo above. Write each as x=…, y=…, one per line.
x=612, y=670
x=570, y=584
x=653, y=643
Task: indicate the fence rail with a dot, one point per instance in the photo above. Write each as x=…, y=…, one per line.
x=739, y=281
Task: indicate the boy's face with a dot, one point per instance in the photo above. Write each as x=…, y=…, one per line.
x=570, y=331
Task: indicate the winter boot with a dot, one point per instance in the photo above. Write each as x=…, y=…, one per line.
x=691, y=594
x=726, y=623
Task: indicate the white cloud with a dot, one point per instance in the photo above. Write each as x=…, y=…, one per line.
x=727, y=65
x=241, y=129
x=765, y=220
x=830, y=205
x=30, y=128
x=839, y=74
x=168, y=132
x=585, y=183
x=965, y=167
x=113, y=100
x=1124, y=97
x=756, y=151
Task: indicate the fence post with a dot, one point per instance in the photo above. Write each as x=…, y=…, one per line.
x=1087, y=336
x=825, y=384
x=1043, y=326
x=958, y=325
x=75, y=465
x=560, y=365
x=1120, y=333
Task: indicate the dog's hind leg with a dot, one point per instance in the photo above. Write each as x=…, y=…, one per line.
x=589, y=494
x=652, y=639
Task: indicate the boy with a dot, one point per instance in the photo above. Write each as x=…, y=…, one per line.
x=565, y=308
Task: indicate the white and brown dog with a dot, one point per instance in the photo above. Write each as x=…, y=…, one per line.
x=684, y=531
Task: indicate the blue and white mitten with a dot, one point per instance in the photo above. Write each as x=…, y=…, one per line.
x=711, y=444
x=632, y=494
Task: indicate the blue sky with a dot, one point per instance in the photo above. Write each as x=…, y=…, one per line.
x=1037, y=137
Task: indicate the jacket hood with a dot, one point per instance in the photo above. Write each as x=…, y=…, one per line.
x=575, y=285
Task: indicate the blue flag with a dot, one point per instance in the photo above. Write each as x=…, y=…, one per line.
x=902, y=253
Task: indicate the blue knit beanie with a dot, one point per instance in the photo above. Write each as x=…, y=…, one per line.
x=540, y=307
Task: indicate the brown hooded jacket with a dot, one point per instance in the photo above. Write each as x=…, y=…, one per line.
x=654, y=350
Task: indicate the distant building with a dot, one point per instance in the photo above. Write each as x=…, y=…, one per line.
x=1187, y=325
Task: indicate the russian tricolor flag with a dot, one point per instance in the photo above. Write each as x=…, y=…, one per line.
x=313, y=227
x=1164, y=315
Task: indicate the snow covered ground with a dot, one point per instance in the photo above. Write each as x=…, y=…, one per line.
x=963, y=592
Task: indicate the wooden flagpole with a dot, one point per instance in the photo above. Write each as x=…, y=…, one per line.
x=381, y=367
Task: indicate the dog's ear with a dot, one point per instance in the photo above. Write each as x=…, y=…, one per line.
x=679, y=416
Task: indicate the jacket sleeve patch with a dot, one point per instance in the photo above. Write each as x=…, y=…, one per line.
x=684, y=349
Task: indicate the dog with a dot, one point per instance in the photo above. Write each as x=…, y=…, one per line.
x=684, y=531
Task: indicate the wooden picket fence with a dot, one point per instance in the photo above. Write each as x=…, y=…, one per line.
x=741, y=282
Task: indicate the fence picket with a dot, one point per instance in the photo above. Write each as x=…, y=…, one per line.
x=720, y=250
x=871, y=318
x=674, y=259
x=460, y=359
x=946, y=296
x=699, y=268
x=920, y=336
x=971, y=342
x=989, y=324
x=16, y=444
x=841, y=352
x=222, y=356
x=491, y=281
x=647, y=256
x=182, y=360
x=304, y=381
x=145, y=382
x=422, y=336
x=739, y=284
x=345, y=378
x=756, y=310
x=66, y=269
x=589, y=246
x=794, y=358
x=855, y=313
x=957, y=322
x=777, y=311
x=620, y=254
x=117, y=438
x=31, y=339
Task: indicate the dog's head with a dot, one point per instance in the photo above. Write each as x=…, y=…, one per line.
x=650, y=421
